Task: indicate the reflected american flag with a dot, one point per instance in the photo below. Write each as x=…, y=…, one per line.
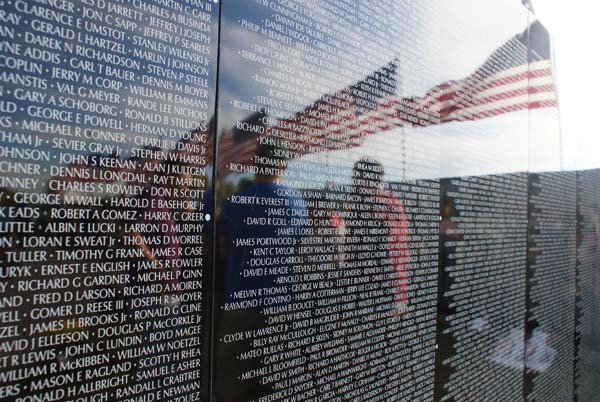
x=516, y=76
x=511, y=79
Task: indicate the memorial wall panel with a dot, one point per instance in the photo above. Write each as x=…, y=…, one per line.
x=551, y=286
x=587, y=330
x=286, y=200
x=327, y=232
x=552, y=220
x=105, y=136
x=482, y=253
x=483, y=211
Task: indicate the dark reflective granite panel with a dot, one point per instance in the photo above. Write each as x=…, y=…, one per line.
x=104, y=147
x=551, y=286
x=327, y=201
x=552, y=249
x=483, y=228
x=482, y=287
x=587, y=328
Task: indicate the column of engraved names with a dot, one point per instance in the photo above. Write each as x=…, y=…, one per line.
x=359, y=331
x=313, y=265
x=103, y=136
x=587, y=304
x=551, y=286
x=485, y=239
x=336, y=332
x=339, y=329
